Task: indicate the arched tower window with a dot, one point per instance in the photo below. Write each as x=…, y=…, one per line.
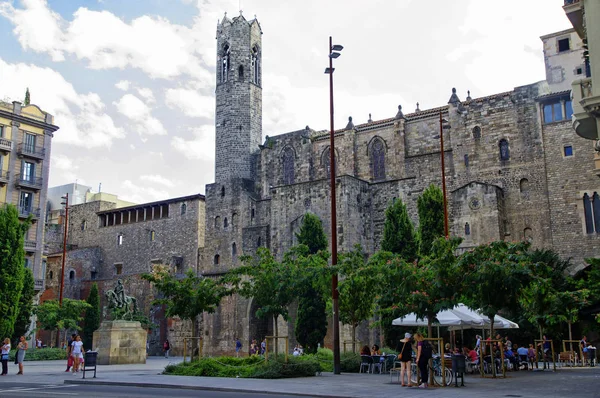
x=587, y=212
x=258, y=242
x=233, y=250
x=326, y=162
x=217, y=257
x=476, y=132
x=71, y=275
x=528, y=234
x=504, y=150
x=217, y=221
x=466, y=160
x=241, y=73
x=467, y=229
x=288, y=166
x=225, y=62
x=378, y=159
x=233, y=220
x=83, y=225
x=51, y=275
x=255, y=65
x=222, y=192
x=183, y=208
x=225, y=223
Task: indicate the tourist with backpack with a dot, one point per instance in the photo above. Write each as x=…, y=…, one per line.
x=424, y=354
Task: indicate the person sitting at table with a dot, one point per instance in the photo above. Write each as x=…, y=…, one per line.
x=511, y=358
x=522, y=353
x=375, y=350
x=365, y=350
x=447, y=349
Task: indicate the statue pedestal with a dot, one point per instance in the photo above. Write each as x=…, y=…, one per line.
x=120, y=342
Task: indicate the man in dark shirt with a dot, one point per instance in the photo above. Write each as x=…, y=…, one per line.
x=69, y=350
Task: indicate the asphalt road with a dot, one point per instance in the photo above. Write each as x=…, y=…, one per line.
x=29, y=390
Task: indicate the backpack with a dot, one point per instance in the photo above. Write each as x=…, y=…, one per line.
x=426, y=350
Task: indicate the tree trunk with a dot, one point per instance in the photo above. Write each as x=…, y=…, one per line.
x=276, y=334
x=194, y=340
x=570, y=337
x=354, y=337
x=429, y=329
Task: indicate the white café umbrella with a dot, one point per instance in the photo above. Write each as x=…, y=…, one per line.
x=499, y=321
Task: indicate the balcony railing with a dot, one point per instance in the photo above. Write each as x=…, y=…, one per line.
x=31, y=151
x=30, y=245
x=39, y=284
x=28, y=181
x=26, y=211
x=5, y=145
x=3, y=177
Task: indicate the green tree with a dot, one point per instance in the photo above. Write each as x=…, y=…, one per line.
x=357, y=288
x=493, y=277
x=12, y=259
x=27, y=100
x=399, y=232
x=312, y=234
x=430, y=206
x=311, y=324
x=25, y=305
x=52, y=316
x=92, y=316
x=186, y=297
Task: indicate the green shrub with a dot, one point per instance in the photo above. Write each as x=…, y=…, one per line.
x=43, y=354
x=248, y=367
x=350, y=362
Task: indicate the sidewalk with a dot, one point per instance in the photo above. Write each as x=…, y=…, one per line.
x=581, y=382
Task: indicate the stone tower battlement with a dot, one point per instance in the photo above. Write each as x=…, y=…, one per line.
x=238, y=116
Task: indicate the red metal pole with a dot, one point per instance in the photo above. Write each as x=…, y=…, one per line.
x=64, y=256
x=444, y=178
x=334, y=278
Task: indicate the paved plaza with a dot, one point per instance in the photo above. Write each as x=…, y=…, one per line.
x=49, y=377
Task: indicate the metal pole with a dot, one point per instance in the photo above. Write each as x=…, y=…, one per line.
x=444, y=178
x=334, y=278
x=64, y=256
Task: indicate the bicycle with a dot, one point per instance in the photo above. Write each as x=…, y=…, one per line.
x=435, y=368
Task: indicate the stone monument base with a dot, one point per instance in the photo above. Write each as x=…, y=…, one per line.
x=120, y=342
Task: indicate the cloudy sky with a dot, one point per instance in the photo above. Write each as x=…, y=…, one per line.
x=131, y=82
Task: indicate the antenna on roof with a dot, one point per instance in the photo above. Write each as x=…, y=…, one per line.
x=100, y=187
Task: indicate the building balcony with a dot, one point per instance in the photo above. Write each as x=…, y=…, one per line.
x=31, y=151
x=5, y=145
x=30, y=245
x=38, y=285
x=574, y=11
x=25, y=212
x=3, y=177
x=30, y=182
x=586, y=109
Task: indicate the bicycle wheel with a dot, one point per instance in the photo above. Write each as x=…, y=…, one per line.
x=413, y=373
x=437, y=375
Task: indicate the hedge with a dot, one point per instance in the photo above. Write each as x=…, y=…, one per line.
x=42, y=354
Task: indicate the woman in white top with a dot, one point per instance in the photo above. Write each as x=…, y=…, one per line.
x=5, y=351
x=76, y=353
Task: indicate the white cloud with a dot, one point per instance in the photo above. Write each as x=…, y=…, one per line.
x=123, y=85
x=158, y=179
x=190, y=102
x=153, y=44
x=64, y=167
x=201, y=146
x=82, y=118
x=140, y=114
x=146, y=94
x=141, y=194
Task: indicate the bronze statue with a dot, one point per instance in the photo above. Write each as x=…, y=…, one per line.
x=117, y=299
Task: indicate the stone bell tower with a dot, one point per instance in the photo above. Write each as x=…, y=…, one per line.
x=238, y=116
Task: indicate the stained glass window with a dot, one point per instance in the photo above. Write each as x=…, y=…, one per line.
x=378, y=160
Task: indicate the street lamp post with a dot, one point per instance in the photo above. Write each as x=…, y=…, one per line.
x=64, y=256
x=444, y=177
x=333, y=53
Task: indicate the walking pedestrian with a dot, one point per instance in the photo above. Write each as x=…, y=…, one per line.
x=69, y=357
x=238, y=347
x=77, y=353
x=21, y=349
x=424, y=353
x=405, y=357
x=5, y=352
x=166, y=348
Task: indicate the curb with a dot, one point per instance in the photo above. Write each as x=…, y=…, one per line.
x=199, y=388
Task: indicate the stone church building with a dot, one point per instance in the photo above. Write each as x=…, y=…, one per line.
x=514, y=170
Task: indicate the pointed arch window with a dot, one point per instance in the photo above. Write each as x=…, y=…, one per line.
x=466, y=160
x=183, y=209
x=258, y=243
x=233, y=251
x=216, y=260
x=225, y=63
x=326, y=161
x=288, y=166
x=225, y=223
x=241, y=73
x=378, y=159
x=476, y=132
x=504, y=149
x=467, y=229
x=596, y=209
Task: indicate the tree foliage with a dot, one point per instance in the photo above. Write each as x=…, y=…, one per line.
x=399, y=232
x=185, y=297
x=25, y=305
x=311, y=322
x=12, y=259
x=312, y=234
x=92, y=316
x=430, y=206
x=51, y=315
x=27, y=99
x=357, y=288
x=494, y=275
